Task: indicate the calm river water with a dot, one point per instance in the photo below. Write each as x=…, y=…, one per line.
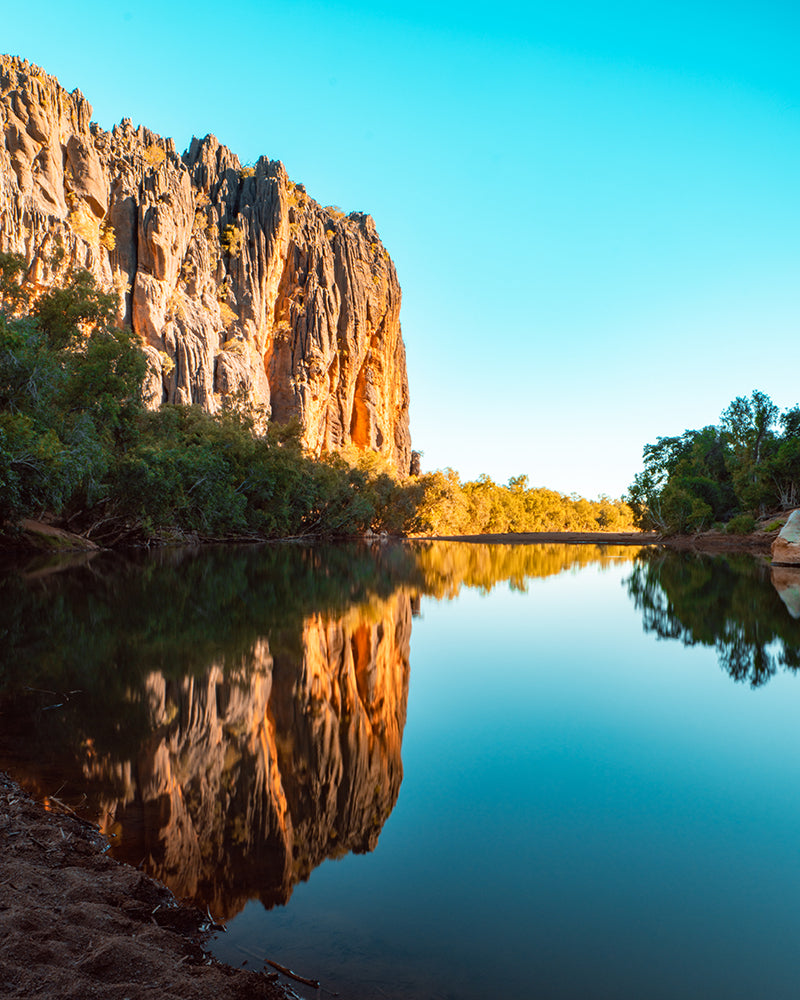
x=435, y=770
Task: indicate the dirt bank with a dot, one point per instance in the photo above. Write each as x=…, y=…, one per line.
x=760, y=542
x=76, y=924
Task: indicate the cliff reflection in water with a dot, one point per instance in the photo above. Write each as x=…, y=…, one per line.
x=232, y=717
x=736, y=604
x=263, y=770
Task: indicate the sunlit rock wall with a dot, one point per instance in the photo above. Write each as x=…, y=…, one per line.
x=238, y=282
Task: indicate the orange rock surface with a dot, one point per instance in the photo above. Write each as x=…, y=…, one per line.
x=239, y=283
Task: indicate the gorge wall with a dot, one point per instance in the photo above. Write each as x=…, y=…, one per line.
x=240, y=285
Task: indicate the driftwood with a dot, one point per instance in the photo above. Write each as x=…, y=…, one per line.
x=70, y=811
x=293, y=975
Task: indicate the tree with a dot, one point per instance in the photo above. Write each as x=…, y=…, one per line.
x=748, y=421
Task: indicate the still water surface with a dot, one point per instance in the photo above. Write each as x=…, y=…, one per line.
x=436, y=771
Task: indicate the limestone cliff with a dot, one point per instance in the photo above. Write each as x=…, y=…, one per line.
x=238, y=282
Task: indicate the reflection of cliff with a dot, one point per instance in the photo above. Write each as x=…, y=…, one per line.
x=251, y=779
x=730, y=603
x=233, y=716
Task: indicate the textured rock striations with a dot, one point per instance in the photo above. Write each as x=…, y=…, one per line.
x=239, y=284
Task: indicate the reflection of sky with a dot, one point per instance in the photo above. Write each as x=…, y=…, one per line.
x=585, y=811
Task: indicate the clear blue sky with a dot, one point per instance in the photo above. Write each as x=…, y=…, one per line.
x=594, y=209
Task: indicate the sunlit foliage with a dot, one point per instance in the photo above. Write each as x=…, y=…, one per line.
x=77, y=445
x=446, y=506
x=743, y=467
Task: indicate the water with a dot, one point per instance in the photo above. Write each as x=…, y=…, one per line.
x=439, y=771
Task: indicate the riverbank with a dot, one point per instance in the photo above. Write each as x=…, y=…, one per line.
x=77, y=925
x=37, y=536
x=759, y=542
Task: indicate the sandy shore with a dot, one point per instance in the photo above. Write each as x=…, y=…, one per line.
x=75, y=924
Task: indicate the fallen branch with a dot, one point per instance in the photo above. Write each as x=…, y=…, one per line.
x=293, y=975
x=71, y=811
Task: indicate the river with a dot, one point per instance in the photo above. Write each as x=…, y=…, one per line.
x=434, y=770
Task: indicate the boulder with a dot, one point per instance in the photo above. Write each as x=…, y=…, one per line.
x=786, y=547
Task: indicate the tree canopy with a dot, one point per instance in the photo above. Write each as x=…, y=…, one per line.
x=725, y=474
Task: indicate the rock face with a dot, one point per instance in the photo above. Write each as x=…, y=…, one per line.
x=786, y=547
x=240, y=285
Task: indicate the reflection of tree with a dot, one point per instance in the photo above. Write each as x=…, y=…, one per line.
x=445, y=567
x=727, y=602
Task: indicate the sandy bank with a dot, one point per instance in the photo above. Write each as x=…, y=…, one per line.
x=76, y=924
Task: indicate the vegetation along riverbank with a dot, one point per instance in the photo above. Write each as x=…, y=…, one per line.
x=735, y=476
x=81, y=452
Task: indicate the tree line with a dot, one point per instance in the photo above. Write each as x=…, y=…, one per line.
x=724, y=475
x=78, y=446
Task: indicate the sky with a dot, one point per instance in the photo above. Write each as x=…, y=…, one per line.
x=594, y=209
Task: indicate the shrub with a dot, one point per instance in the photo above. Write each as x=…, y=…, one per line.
x=742, y=524
x=108, y=238
x=231, y=240
x=154, y=155
x=235, y=346
x=297, y=195
x=227, y=314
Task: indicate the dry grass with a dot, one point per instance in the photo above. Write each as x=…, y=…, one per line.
x=227, y=314
x=155, y=155
x=84, y=223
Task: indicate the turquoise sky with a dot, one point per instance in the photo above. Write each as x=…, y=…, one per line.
x=594, y=209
